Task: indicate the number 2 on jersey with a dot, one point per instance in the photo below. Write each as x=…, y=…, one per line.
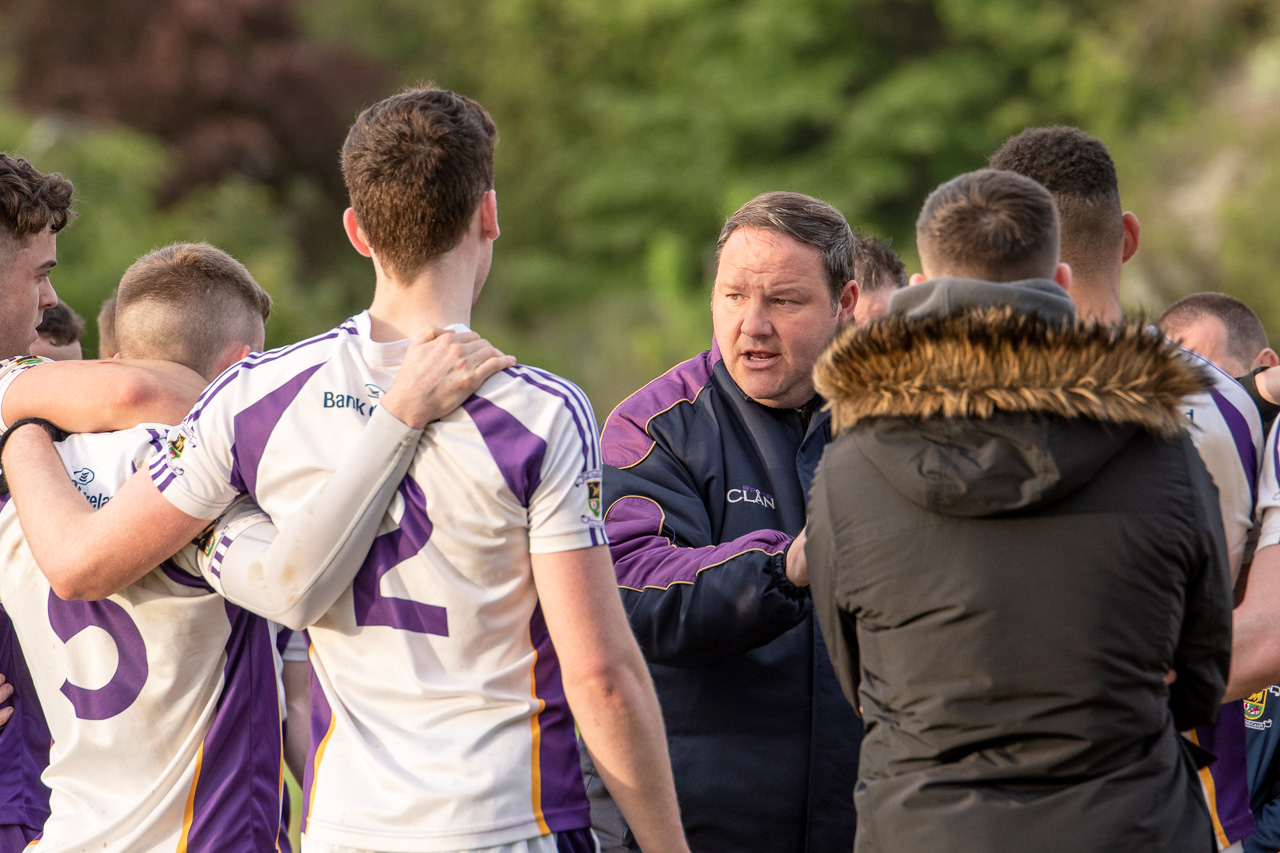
x=389, y=550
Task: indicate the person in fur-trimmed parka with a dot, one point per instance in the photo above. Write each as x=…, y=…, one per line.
x=1012, y=541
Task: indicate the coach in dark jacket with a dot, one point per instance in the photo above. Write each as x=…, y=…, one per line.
x=1012, y=541
x=706, y=471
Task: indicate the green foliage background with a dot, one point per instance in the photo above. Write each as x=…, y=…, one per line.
x=631, y=129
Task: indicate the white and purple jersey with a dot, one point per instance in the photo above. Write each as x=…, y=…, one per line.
x=160, y=699
x=1227, y=431
x=438, y=717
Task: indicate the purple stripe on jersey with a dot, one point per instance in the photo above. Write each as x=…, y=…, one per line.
x=564, y=799
x=575, y=401
x=321, y=719
x=253, y=427
x=518, y=452
x=258, y=360
x=160, y=473
x=1243, y=438
x=237, y=795
x=24, y=744
x=283, y=635
x=626, y=439
x=643, y=557
x=1226, y=739
x=175, y=573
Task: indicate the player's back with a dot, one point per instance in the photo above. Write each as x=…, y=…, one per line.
x=160, y=700
x=440, y=722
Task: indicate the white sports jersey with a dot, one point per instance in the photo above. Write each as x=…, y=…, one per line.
x=1227, y=430
x=1269, y=491
x=159, y=699
x=439, y=722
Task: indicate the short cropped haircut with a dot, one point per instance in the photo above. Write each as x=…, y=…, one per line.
x=416, y=166
x=1245, y=335
x=806, y=220
x=1079, y=171
x=876, y=266
x=989, y=224
x=31, y=201
x=187, y=303
x=60, y=325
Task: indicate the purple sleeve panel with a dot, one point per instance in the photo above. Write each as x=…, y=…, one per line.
x=691, y=606
x=626, y=440
x=644, y=558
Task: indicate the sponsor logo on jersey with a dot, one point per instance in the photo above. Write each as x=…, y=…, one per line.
x=347, y=401
x=374, y=391
x=1255, y=705
x=177, y=445
x=83, y=476
x=28, y=361
x=750, y=495
x=593, y=496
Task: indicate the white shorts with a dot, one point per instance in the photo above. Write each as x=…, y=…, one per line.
x=574, y=841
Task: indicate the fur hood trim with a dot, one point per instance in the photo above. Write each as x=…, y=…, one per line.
x=975, y=363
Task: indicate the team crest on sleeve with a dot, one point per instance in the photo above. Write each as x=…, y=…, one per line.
x=593, y=496
x=1255, y=705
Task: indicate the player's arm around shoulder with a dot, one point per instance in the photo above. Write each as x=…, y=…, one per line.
x=97, y=396
x=609, y=690
x=88, y=553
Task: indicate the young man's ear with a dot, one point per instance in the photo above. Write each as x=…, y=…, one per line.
x=355, y=233
x=1266, y=358
x=1062, y=275
x=916, y=278
x=489, y=215
x=1131, y=232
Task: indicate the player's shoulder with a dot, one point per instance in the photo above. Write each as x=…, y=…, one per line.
x=1225, y=400
x=260, y=374
x=524, y=388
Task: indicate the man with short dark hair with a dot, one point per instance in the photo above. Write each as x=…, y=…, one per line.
x=879, y=273
x=1097, y=240
x=706, y=472
x=1011, y=542
x=1227, y=332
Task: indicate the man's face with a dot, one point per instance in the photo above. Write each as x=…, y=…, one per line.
x=1208, y=336
x=25, y=290
x=771, y=309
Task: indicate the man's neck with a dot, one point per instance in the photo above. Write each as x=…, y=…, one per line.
x=1094, y=307
x=439, y=296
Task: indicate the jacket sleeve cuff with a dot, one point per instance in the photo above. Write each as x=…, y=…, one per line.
x=778, y=572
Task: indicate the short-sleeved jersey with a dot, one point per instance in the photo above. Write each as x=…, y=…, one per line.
x=1227, y=431
x=438, y=717
x=160, y=699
